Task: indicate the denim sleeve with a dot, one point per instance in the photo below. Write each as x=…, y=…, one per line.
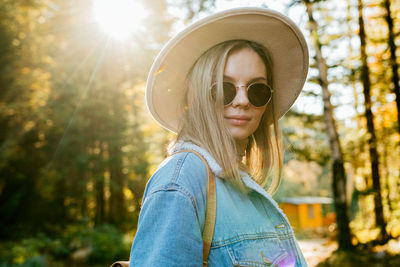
x=168, y=232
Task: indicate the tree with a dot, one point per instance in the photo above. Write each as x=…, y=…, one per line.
x=372, y=141
x=338, y=171
x=393, y=58
x=71, y=147
x=25, y=83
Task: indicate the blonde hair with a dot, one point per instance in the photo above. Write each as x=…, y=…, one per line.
x=203, y=122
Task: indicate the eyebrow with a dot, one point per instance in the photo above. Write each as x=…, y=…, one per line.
x=251, y=81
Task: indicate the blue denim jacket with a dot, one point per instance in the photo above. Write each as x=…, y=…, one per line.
x=250, y=230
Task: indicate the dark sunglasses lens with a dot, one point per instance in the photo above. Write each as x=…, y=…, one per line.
x=229, y=92
x=259, y=94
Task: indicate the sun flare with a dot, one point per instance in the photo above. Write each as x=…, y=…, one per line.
x=119, y=18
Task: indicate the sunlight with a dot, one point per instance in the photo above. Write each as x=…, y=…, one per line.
x=119, y=18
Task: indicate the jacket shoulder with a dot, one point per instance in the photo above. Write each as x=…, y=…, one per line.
x=181, y=171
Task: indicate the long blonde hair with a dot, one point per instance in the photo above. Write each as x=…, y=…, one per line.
x=203, y=121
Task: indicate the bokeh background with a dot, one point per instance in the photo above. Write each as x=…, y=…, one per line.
x=77, y=144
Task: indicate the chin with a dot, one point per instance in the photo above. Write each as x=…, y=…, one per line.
x=240, y=133
x=239, y=136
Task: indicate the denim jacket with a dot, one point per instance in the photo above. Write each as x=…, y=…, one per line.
x=250, y=229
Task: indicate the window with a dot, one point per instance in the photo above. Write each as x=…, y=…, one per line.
x=311, y=211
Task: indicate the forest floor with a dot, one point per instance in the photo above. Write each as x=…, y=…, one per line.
x=322, y=252
x=317, y=250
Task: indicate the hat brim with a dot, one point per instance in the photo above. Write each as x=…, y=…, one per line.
x=280, y=35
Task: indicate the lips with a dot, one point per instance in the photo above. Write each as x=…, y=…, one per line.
x=238, y=120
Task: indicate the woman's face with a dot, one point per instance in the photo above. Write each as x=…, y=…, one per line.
x=243, y=67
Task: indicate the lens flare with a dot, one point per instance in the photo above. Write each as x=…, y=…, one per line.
x=119, y=18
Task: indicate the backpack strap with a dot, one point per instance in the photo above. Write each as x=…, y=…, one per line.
x=211, y=209
x=120, y=264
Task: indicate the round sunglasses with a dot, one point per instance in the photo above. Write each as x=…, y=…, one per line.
x=259, y=94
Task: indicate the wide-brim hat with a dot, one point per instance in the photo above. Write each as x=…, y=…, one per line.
x=279, y=34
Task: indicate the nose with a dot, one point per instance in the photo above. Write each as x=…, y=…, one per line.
x=241, y=99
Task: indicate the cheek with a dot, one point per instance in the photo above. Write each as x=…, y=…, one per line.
x=258, y=115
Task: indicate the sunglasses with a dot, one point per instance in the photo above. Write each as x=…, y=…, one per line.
x=259, y=94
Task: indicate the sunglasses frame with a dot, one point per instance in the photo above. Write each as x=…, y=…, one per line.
x=247, y=90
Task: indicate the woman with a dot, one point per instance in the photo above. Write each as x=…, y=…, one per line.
x=221, y=85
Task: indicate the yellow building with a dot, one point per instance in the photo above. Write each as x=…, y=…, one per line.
x=308, y=213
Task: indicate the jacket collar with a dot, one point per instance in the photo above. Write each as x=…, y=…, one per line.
x=217, y=170
x=214, y=166
x=212, y=163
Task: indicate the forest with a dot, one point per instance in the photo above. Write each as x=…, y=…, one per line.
x=77, y=144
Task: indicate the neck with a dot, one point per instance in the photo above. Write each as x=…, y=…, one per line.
x=241, y=146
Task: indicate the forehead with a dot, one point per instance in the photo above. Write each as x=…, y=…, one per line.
x=244, y=62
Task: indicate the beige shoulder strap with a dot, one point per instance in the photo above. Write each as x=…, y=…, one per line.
x=120, y=264
x=211, y=209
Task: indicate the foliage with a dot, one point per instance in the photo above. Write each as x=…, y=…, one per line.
x=306, y=169
x=73, y=143
x=79, y=243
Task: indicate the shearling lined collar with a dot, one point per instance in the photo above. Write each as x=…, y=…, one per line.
x=212, y=163
x=217, y=170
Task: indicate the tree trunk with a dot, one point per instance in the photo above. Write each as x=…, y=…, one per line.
x=117, y=201
x=338, y=171
x=99, y=188
x=387, y=172
x=100, y=203
x=372, y=142
x=395, y=74
x=393, y=62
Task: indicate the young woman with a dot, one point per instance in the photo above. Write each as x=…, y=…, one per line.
x=221, y=85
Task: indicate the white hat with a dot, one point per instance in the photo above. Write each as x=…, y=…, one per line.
x=279, y=34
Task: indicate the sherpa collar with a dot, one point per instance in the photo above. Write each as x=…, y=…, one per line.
x=212, y=163
x=217, y=170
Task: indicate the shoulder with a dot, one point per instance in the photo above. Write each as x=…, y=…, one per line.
x=184, y=172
